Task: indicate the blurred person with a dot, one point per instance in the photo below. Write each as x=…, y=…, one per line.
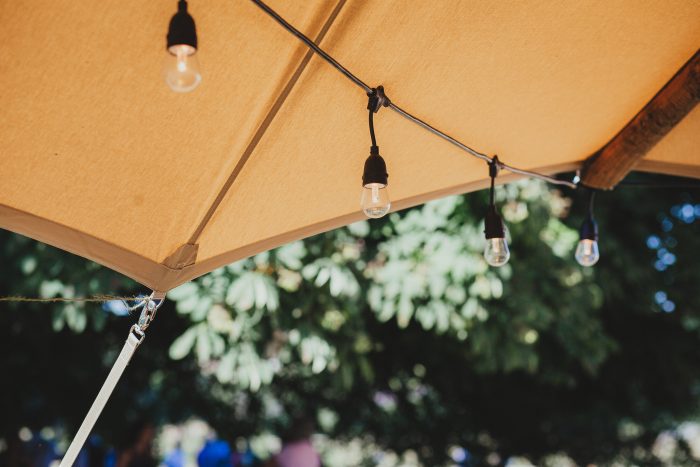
x=42, y=452
x=175, y=458
x=93, y=453
x=215, y=453
x=243, y=455
x=139, y=448
x=297, y=450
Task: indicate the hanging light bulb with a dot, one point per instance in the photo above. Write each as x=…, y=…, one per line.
x=496, y=251
x=587, y=253
x=375, y=194
x=182, y=69
x=181, y=66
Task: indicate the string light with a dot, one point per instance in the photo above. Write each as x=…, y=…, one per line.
x=375, y=179
x=587, y=253
x=496, y=251
x=182, y=75
x=395, y=107
x=181, y=68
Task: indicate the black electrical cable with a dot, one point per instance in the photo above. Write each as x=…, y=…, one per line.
x=439, y=133
x=493, y=172
x=371, y=128
x=464, y=147
x=312, y=45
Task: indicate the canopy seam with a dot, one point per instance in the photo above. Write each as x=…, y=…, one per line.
x=262, y=129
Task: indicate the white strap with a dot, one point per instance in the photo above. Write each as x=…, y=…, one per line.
x=132, y=342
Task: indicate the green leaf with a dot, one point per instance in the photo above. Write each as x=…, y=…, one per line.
x=203, y=346
x=186, y=290
x=183, y=344
x=404, y=312
x=187, y=304
x=226, y=369
x=241, y=293
x=366, y=369
x=290, y=255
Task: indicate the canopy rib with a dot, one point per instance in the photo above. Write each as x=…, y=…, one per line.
x=260, y=132
x=606, y=168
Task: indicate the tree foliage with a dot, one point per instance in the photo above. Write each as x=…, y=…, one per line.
x=398, y=331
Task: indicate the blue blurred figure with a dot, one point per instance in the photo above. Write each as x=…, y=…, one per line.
x=243, y=455
x=176, y=458
x=215, y=453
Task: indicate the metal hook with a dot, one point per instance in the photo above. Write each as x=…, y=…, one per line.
x=150, y=307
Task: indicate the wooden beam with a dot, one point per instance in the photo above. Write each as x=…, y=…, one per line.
x=605, y=168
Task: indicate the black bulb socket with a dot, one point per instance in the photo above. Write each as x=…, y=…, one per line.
x=182, y=30
x=493, y=224
x=375, y=169
x=589, y=229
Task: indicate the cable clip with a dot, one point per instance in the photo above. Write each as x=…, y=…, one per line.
x=494, y=167
x=377, y=99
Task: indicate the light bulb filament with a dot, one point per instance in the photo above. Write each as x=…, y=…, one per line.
x=587, y=253
x=181, y=60
x=375, y=200
x=496, y=252
x=182, y=68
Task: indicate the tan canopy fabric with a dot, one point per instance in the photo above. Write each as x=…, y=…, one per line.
x=100, y=158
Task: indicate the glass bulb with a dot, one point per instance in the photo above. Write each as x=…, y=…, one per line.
x=496, y=252
x=375, y=200
x=182, y=68
x=587, y=253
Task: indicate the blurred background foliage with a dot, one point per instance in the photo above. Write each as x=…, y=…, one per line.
x=394, y=332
